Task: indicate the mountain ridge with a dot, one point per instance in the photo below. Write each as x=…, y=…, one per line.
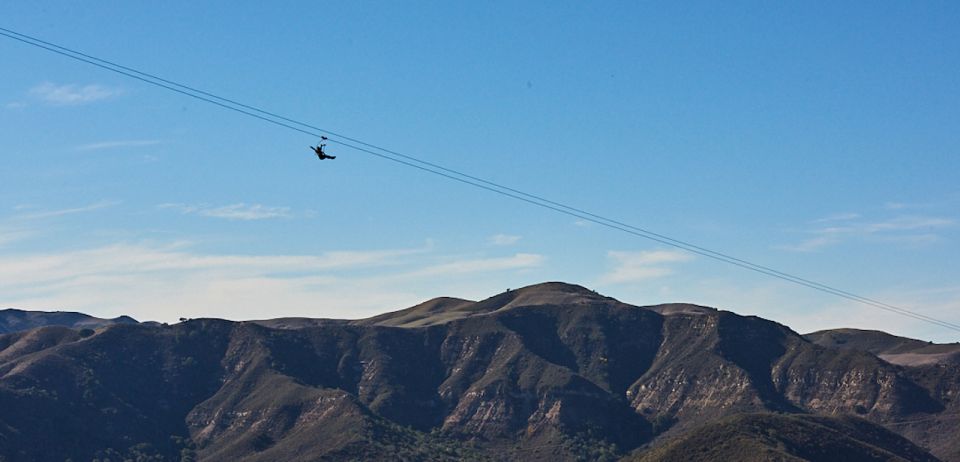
x=14, y=320
x=552, y=371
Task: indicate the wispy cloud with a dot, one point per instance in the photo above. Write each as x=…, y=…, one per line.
x=643, y=265
x=144, y=277
x=117, y=144
x=122, y=259
x=908, y=229
x=909, y=205
x=811, y=244
x=907, y=223
x=71, y=94
x=479, y=265
x=504, y=239
x=165, y=281
x=837, y=217
x=241, y=211
x=68, y=211
x=30, y=221
x=10, y=235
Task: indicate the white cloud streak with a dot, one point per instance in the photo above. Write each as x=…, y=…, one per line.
x=907, y=229
x=127, y=259
x=8, y=236
x=640, y=266
x=117, y=144
x=838, y=217
x=504, y=239
x=479, y=265
x=240, y=211
x=71, y=94
x=69, y=211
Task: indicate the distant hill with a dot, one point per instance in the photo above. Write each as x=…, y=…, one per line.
x=13, y=320
x=893, y=349
x=548, y=372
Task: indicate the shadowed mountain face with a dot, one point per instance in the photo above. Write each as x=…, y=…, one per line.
x=12, y=320
x=552, y=371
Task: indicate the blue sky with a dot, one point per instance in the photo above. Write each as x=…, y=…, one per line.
x=817, y=139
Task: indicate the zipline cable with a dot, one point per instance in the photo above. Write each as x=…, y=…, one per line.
x=455, y=175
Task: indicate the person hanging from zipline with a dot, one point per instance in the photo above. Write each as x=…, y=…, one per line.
x=319, y=150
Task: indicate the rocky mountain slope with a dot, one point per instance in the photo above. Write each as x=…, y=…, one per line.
x=551, y=371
